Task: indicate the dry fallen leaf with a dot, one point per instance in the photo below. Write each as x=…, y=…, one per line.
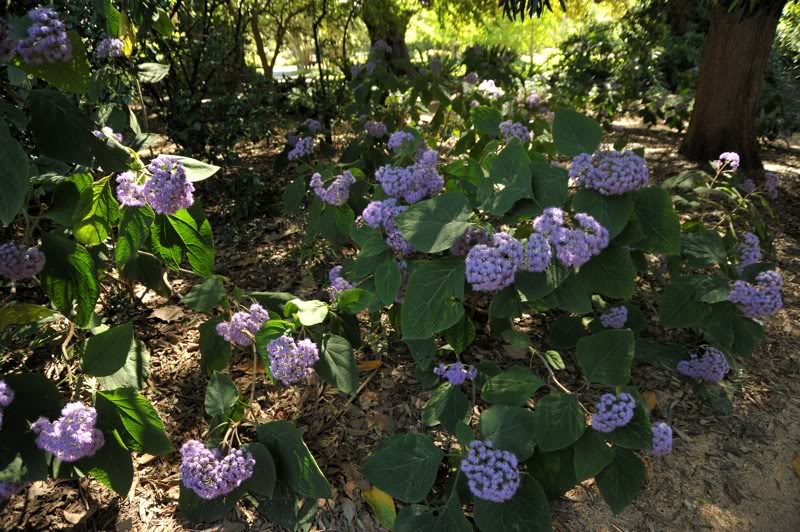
x=369, y=365
x=650, y=399
x=168, y=313
x=796, y=464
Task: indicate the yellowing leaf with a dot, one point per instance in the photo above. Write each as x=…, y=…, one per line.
x=650, y=399
x=369, y=365
x=796, y=464
x=382, y=504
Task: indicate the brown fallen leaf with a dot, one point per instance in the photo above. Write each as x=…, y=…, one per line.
x=369, y=365
x=650, y=399
x=168, y=313
x=796, y=464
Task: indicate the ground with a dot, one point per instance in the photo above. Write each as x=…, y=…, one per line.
x=726, y=472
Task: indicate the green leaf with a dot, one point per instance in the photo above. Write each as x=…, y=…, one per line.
x=96, y=214
x=510, y=428
x=622, y=480
x=404, y=466
x=512, y=387
x=550, y=184
x=287, y=510
x=703, y=248
x=658, y=220
x=554, y=360
x=194, y=232
x=296, y=466
x=337, y=366
x=570, y=296
x=433, y=298
x=134, y=230
x=527, y=511
x=461, y=335
x=293, y=194
x=163, y=24
x=565, y=332
x=382, y=506
x=149, y=271
x=538, y=285
x=575, y=133
x=559, y=421
x=200, y=510
x=23, y=314
x=205, y=297
x=70, y=76
x=388, y=279
x=658, y=354
x=143, y=428
x=345, y=219
x=554, y=471
x=448, y=405
x=613, y=212
x=509, y=178
x=449, y=518
x=486, y=120
x=607, y=357
x=152, y=72
x=611, y=274
x=592, y=455
x=14, y=169
x=134, y=373
x=506, y=304
x=107, y=352
x=196, y=170
x=678, y=306
x=726, y=329
x=69, y=277
x=354, y=300
x=264, y=473
x=637, y=434
x=423, y=351
x=166, y=242
x=221, y=396
x=111, y=465
x=309, y=313
x=436, y=224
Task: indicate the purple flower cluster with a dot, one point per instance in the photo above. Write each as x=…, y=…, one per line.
x=47, y=40
x=472, y=78
x=302, y=148
x=749, y=251
x=662, y=439
x=381, y=214
x=398, y=138
x=613, y=411
x=760, y=300
x=610, y=172
x=412, y=183
x=436, y=66
x=538, y=253
x=338, y=192
x=712, y=366
x=129, y=192
x=614, y=318
x=101, y=134
x=72, y=436
x=492, y=91
x=379, y=48
x=292, y=139
x=492, y=474
x=375, y=129
x=7, y=489
x=492, y=267
x=206, y=473
x=7, y=44
x=472, y=237
x=533, y=100
x=109, y=47
x=728, y=159
x=511, y=129
x=6, y=397
x=18, y=262
x=168, y=190
x=748, y=186
x=771, y=183
x=574, y=246
x=456, y=373
x=292, y=362
x=338, y=283
x=401, y=293
x=243, y=322
x=355, y=70
x=312, y=125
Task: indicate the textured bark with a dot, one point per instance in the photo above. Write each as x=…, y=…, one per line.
x=260, y=48
x=387, y=21
x=731, y=75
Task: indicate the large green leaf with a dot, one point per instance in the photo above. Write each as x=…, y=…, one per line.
x=510, y=428
x=14, y=169
x=527, y=511
x=143, y=428
x=196, y=170
x=621, y=481
x=293, y=194
x=449, y=518
x=200, y=510
x=194, y=232
x=611, y=274
x=387, y=281
x=309, y=313
x=264, y=473
x=658, y=220
x=448, y=405
x=337, y=366
x=575, y=133
x=165, y=242
x=96, y=214
x=703, y=248
x=461, y=335
x=536, y=285
x=422, y=351
x=134, y=373
x=221, y=396
x=354, y=300
x=550, y=184
x=613, y=212
x=105, y=353
x=554, y=471
x=71, y=76
x=205, y=297
x=111, y=465
x=287, y=510
x=512, y=387
x=404, y=466
x=506, y=304
x=149, y=271
x=433, y=298
x=436, y=224
x=69, y=277
x=559, y=421
x=607, y=357
x=296, y=466
x=592, y=455
x=134, y=230
x=658, y=354
x=678, y=306
x=637, y=434
x=732, y=332
x=23, y=314
x=570, y=296
x=486, y=120
x=565, y=332
x=509, y=178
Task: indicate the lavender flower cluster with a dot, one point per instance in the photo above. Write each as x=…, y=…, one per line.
x=712, y=366
x=338, y=283
x=728, y=159
x=614, y=318
x=613, y=411
x=749, y=251
x=379, y=48
x=375, y=129
x=292, y=362
x=243, y=322
x=72, y=436
x=205, y=472
x=338, y=192
x=401, y=293
x=574, y=246
x=412, y=183
x=302, y=148
x=129, y=192
x=456, y=373
x=168, y=190
x=313, y=125
x=18, y=262
x=381, y=214
x=533, y=100
x=538, y=253
x=610, y=172
x=662, y=439
x=47, y=40
x=109, y=47
x=491, y=267
x=398, y=138
x=471, y=238
x=760, y=300
x=771, y=183
x=511, y=129
x=492, y=474
x=101, y=134
x=7, y=489
x=472, y=78
x=6, y=397
x=488, y=87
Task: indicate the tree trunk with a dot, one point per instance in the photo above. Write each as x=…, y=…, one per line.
x=727, y=97
x=388, y=22
x=260, y=48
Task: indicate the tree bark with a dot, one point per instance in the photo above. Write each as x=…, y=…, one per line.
x=727, y=98
x=260, y=48
x=388, y=22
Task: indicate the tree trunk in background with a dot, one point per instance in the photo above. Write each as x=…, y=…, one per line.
x=385, y=20
x=260, y=48
x=727, y=97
